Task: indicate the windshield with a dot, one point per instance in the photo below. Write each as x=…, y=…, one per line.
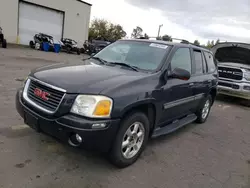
x=144, y=55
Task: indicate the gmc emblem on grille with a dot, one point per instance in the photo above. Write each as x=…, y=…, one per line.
x=42, y=94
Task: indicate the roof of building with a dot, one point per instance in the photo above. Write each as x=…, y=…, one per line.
x=85, y=2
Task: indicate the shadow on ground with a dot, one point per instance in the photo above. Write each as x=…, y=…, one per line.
x=232, y=100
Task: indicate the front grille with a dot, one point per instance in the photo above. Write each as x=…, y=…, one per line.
x=54, y=97
x=228, y=85
x=230, y=73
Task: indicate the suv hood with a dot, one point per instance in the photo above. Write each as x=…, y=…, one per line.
x=85, y=77
x=229, y=53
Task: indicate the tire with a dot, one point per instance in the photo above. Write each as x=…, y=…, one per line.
x=68, y=50
x=201, y=117
x=4, y=44
x=82, y=50
x=38, y=46
x=117, y=155
x=78, y=52
x=32, y=45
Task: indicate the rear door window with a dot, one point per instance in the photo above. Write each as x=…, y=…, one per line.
x=210, y=62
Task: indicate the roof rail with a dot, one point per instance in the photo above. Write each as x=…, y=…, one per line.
x=182, y=40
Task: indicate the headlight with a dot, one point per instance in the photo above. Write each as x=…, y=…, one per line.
x=75, y=45
x=92, y=106
x=247, y=76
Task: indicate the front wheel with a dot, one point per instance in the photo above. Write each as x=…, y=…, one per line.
x=204, y=110
x=130, y=140
x=38, y=46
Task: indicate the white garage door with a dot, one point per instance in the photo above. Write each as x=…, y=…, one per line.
x=35, y=19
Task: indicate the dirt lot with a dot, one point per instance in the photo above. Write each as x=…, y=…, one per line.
x=215, y=154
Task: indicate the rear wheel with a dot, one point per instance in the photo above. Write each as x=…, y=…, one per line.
x=130, y=140
x=204, y=110
x=69, y=50
x=32, y=45
x=78, y=52
x=4, y=44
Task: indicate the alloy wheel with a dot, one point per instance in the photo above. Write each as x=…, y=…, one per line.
x=206, y=109
x=133, y=140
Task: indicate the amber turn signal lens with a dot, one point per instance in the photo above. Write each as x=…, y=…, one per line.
x=102, y=108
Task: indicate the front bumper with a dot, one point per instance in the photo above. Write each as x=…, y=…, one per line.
x=64, y=126
x=235, y=89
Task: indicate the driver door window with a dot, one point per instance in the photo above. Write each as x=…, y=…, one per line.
x=182, y=59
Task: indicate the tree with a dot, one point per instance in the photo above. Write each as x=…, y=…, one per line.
x=115, y=32
x=217, y=42
x=212, y=43
x=137, y=32
x=105, y=30
x=167, y=38
x=197, y=43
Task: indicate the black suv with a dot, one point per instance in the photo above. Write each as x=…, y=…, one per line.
x=117, y=99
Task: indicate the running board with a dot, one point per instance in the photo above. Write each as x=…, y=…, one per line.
x=174, y=126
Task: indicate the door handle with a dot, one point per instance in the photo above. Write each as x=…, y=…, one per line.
x=191, y=84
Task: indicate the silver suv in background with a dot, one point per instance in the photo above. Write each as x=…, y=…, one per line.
x=234, y=69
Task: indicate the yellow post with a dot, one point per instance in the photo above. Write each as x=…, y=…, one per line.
x=17, y=40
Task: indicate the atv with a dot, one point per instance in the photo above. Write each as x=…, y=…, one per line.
x=39, y=39
x=2, y=39
x=69, y=46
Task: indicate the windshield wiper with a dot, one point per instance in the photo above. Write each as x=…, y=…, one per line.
x=100, y=60
x=125, y=65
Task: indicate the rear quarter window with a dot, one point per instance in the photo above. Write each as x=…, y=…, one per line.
x=198, y=62
x=210, y=62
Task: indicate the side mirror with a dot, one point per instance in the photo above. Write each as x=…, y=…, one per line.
x=181, y=74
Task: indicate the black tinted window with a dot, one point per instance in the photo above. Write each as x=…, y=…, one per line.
x=181, y=59
x=198, y=62
x=210, y=62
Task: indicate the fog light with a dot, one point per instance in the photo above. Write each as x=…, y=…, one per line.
x=99, y=125
x=75, y=140
x=78, y=138
x=247, y=88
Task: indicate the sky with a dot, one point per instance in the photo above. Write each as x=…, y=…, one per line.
x=228, y=20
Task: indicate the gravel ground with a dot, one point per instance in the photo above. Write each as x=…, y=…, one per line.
x=215, y=154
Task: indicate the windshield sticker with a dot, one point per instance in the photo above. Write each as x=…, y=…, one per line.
x=162, y=46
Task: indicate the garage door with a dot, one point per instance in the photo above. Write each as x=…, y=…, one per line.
x=35, y=19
